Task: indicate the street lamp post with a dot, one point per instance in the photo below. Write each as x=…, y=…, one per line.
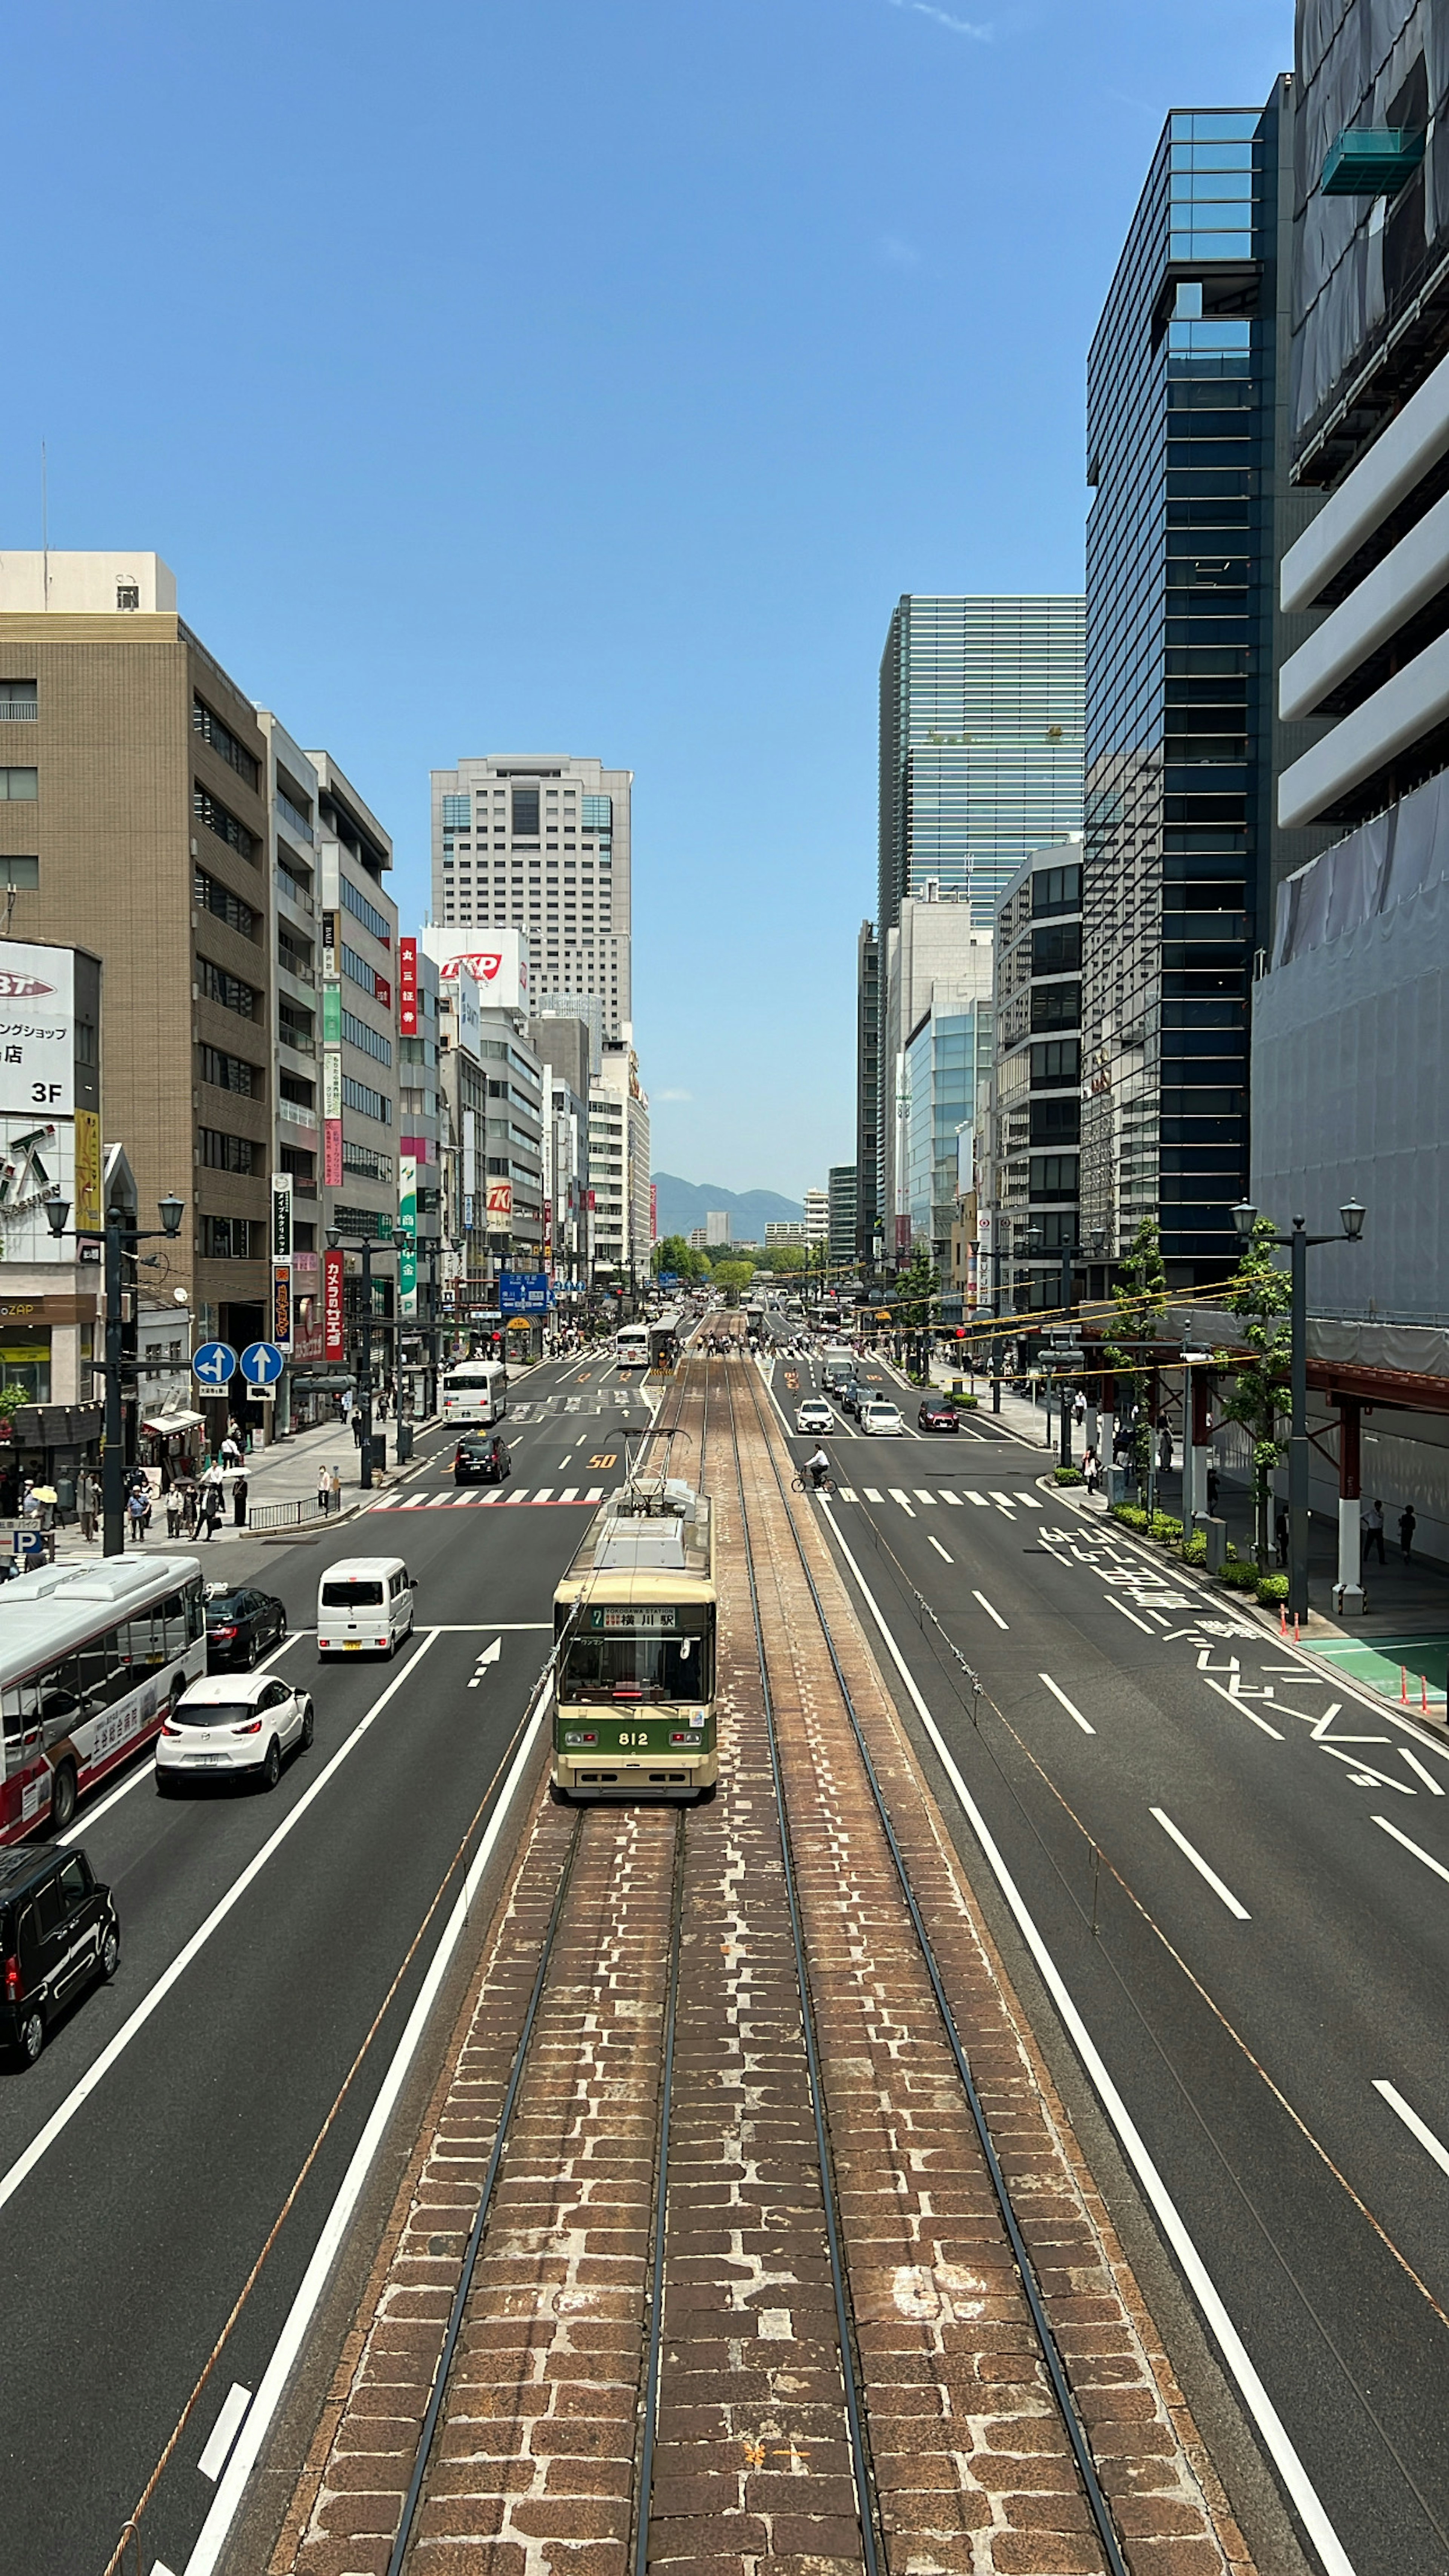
x=116, y=1240
x=1297, y=1244
x=363, y=1244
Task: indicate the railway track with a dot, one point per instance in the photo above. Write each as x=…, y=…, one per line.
x=715, y=2256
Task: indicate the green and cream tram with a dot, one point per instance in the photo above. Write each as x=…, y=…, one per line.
x=634, y=1619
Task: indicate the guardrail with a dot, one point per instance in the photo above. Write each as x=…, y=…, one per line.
x=270, y=1516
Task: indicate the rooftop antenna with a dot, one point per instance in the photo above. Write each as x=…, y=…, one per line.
x=44, y=529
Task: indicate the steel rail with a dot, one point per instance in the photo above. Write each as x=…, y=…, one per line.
x=850, y=2375
x=1076, y=2432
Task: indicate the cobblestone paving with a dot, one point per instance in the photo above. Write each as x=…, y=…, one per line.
x=534, y=2472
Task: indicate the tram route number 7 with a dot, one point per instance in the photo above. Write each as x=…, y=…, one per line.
x=606, y=1458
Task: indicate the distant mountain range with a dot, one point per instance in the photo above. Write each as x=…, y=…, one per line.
x=682, y=1205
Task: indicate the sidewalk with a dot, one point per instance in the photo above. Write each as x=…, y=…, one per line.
x=285, y=1474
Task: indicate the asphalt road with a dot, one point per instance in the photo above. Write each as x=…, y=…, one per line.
x=1291, y=1844
x=133, y=2213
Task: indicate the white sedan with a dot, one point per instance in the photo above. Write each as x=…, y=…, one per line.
x=814, y=1415
x=232, y=1725
x=881, y=1417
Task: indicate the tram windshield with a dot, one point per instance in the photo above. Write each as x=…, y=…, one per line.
x=601, y=1670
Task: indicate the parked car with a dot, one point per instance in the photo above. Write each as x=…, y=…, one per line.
x=240, y=1625
x=881, y=1417
x=225, y=1729
x=937, y=1415
x=58, y=1933
x=814, y=1415
x=481, y=1458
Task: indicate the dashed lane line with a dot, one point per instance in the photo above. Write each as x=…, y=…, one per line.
x=1416, y=2127
x=1203, y=1868
x=1058, y=1693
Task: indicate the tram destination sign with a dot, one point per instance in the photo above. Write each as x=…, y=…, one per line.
x=634, y=1623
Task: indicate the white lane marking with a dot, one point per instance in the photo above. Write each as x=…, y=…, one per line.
x=1416, y=2127
x=1201, y=1866
x=848, y=1494
x=1241, y=1706
x=1114, y=1604
x=1426, y=1857
x=570, y=1494
x=489, y=1656
x=977, y=1498
x=898, y=1497
x=940, y=1551
x=1008, y=1502
x=922, y=1496
x=986, y=1606
x=145, y=1770
x=948, y=1497
x=1430, y=1783
x=595, y=1494
x=212, y=2537
x=541, y=1493
x=1364, y=1772
x=871, y=1494
x=1058, y=1693
x=224, y=2431
x=95, y=2075
x=1331, y=2551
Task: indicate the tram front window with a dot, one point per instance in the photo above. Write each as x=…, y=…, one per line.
x=600, y=1670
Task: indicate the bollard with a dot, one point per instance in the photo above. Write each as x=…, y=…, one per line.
x=1295, y=1627
x=1403, y=1685
x=1282, y=1618
x=1424, y=1689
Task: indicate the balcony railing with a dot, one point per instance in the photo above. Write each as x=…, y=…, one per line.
x=296, y=821
x=297, y=1039
x=292, y=964
x=18, y=710
x=291, y=892
x=296, y=1113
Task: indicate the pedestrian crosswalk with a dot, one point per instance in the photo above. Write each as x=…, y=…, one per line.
x=498, y=1497
x=920, y=1496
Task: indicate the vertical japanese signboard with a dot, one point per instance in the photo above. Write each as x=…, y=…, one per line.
x=470, y=1167
x=87, y=1170
x=281, y=1332
x=407, y=1227
x=653, y=1213
x=332, y=1305
x=407, y=987
x=332, y=1118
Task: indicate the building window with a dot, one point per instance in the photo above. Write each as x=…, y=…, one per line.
x=368, y=1103
x=365, y=912
x=227, y=1153
x=365, y=1160
x=209, y=896
x=1056, y=1060
x=358, y=1034
x=19, y=702
x=20, y=873
x=525, y=813
x=1056, y=1006
x=224, y=743
x=361, y=973
x=302, y=1165
x=229, y=990
x=214, y=815
x=229, y=1238
x=1052, y=1176
x=457, y=813
x=1056, y=890
x=598, y=815
x=231, y=1073
x=20, y=785
x=128, y=594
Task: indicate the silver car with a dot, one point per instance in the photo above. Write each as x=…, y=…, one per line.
x=881, y=1417
x=232, y=1725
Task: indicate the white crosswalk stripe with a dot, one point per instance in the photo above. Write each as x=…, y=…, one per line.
x=847, y=1494
x=922, y=1496
x=872, y=1496
x=948, y=1497
x=898, y=1497
x=977, y=1498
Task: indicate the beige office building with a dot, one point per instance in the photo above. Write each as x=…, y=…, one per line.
x=542, y=845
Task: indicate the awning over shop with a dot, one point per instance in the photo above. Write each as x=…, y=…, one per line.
x=165, y=1422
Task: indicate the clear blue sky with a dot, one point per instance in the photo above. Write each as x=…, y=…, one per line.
x=594, y=375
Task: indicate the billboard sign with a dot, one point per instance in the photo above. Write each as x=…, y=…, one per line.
x=281, y=1216
x=500, y=1205
x=407, y=1226
x=37, y=1031
x=282, y=1304
x=334, y=1339
x=407, y=987
x=497, y=960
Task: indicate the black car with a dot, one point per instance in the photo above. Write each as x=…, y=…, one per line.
x=240, y=1625
x=58, y=1933
x=936, y=1415
x=481, y=1459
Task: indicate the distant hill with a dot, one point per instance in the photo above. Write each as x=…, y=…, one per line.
x=682, y=1205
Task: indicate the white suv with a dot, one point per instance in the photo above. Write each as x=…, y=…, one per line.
x=881, y=1417
x=232, y=1724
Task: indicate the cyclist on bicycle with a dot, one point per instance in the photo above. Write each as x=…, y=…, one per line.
x=818, y=1470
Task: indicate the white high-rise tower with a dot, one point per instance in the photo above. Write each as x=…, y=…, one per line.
x=541, y=845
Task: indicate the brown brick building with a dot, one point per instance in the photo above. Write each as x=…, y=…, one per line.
x=134, y=824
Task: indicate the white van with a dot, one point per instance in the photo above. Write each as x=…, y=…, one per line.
x=364, y=1606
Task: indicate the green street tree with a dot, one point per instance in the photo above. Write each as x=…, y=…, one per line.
x=1140, y=1297
x=1260, y=1295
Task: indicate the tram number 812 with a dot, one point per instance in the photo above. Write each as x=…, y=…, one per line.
x=641, y=1738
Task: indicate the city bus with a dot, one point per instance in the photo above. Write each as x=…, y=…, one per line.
x=631, y=1346
x=91, y=1659
x=475, y=1392
x=634, y=1621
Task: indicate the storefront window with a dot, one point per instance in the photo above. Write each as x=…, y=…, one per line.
x=25, y=1364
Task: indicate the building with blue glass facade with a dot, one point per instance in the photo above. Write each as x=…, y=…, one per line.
x=1191, y=513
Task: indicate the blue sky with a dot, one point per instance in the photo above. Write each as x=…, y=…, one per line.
x=593, y=375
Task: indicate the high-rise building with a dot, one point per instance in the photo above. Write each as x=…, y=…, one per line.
x=542, y=846
x=619, y=1161
x=867, y=1092
x=842, y=1193
x=1190, y=516
x=935, y=1050
x=980, y=745
x=817, y=1216
x=1037, y=1079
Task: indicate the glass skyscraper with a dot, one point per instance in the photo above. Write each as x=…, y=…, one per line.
x=980, y=745
x=1190, y=516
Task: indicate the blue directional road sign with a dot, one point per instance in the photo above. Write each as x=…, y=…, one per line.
x=214, y=1363
x=261, y=1363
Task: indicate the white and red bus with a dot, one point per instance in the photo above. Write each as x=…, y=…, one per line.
x=91, y=1658
x=475, y=1394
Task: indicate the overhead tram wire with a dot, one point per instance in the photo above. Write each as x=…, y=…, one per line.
x=1067, y=2406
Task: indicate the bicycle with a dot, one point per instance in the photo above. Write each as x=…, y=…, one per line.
x=803, y=1484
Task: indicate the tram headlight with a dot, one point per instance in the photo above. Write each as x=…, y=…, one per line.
x=581, y=1739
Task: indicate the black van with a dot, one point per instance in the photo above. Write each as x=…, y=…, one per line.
x=58, y=1931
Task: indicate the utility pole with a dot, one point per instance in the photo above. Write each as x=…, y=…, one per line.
x=116, y=1241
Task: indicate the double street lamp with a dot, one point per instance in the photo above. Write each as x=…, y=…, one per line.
x=117, y=1240
x=1297, y=1243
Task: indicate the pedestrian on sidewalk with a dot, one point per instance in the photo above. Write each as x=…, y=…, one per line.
x=231, y=1447
x=1091, y=1469
x=88, y=1499
x=324, y=1489
x=1164, y=1448
x=210, y=1506
x=1280, y=1533
x=138, y=1512
x=336, y=1491
x=1408, y=1523
x=357, y=1429
x=173, y=1511
x=239, y=1502
x=1373, y=1530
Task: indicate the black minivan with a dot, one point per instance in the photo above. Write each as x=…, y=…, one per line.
x=58, y=1932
